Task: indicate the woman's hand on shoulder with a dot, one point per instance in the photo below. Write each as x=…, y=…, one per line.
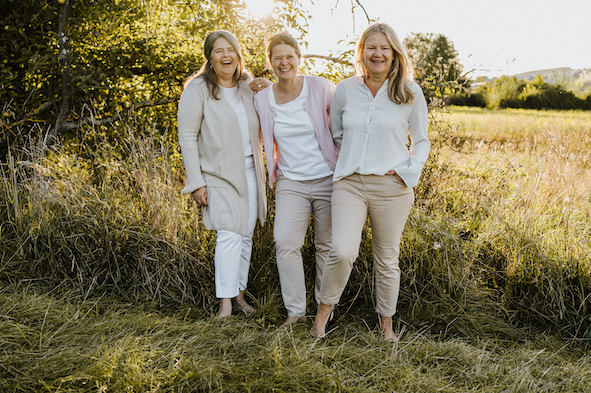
x=258, y=84
x=200, y=196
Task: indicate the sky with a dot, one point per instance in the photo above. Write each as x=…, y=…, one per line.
x=492, y=37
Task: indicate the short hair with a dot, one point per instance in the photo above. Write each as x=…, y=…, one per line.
x=401, y=71
x=285, y=39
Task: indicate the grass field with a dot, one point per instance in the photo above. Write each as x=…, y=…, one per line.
x=60, y=344
x=106, y=275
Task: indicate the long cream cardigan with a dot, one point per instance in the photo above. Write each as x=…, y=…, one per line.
x=211, y=145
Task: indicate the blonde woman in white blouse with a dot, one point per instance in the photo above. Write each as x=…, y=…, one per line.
x=371, y=117
x=222, y=152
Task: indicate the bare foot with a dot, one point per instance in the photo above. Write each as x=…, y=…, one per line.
x=386, y=328
x=242, y=304
x=292, y=320
x=320, y=320
x=225, y=308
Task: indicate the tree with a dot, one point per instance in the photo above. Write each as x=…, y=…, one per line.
x=70, y=62
x=437, y=67
x=505, y=89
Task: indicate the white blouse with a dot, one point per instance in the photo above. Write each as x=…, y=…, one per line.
x=373, y=132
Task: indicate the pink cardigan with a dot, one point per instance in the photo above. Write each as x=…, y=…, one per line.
x=317, y=105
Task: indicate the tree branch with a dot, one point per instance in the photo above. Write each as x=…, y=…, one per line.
x=99, y=122
x=329, y=58
x=369, y=20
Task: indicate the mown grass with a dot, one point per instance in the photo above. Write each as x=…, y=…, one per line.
x=61, y=344
x=107, y=273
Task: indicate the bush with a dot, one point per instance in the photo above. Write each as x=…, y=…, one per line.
x=471, y=99
x=508, y=92
x=553, y=97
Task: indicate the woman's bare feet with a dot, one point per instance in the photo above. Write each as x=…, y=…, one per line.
x=292, y=320
x=320, y=320
x=225, y=308
x=386, y=328
x=242, y=304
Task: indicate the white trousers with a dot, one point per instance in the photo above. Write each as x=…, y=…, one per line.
x=232, y=250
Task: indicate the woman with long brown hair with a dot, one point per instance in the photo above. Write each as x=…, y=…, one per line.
x=222, y=152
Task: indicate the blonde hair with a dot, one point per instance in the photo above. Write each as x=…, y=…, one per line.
x=207, y=72
x=401, y=71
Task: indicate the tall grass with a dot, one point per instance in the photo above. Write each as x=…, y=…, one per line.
x=113, y=221
x=492, y=245
x=520, y=182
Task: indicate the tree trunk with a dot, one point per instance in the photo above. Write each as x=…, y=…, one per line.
x=65, y=61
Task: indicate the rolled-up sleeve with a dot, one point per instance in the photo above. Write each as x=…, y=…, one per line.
x=190, y=118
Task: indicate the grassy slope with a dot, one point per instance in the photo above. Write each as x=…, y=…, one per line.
x=61, y=344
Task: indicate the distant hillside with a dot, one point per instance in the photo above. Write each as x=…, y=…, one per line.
x=576, y=80
x=552, y=75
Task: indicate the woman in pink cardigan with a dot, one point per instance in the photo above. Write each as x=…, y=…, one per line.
x=301, y=157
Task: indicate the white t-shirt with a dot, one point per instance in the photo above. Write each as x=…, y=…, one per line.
x=232, y=95
x=299, y=153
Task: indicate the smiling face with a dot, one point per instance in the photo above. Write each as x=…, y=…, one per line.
x=223, y=59
x=377, y=55
x=285, y=62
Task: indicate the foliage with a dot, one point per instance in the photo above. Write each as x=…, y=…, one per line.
x=469, y=99
x=122, y=52
x=510, y=92
x=437, y=66
x=503, y=89
x=541, y=95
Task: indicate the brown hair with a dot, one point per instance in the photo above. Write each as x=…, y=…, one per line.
x=207, y=72
x=401, y=70
x=282, y=39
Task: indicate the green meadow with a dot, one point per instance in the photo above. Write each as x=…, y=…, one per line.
x=106, y=273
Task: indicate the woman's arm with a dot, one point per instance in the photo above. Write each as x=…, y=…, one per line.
x=258, y=84
x=420, y=145
x=330, y=87
x=190, y=118
x=336, y=116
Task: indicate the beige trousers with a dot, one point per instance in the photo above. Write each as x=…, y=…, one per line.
x=388, y=203
x=295, y=202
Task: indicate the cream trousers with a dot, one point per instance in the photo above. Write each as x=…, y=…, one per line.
x=387, y=202
x=232, y=250
x=295, y=202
